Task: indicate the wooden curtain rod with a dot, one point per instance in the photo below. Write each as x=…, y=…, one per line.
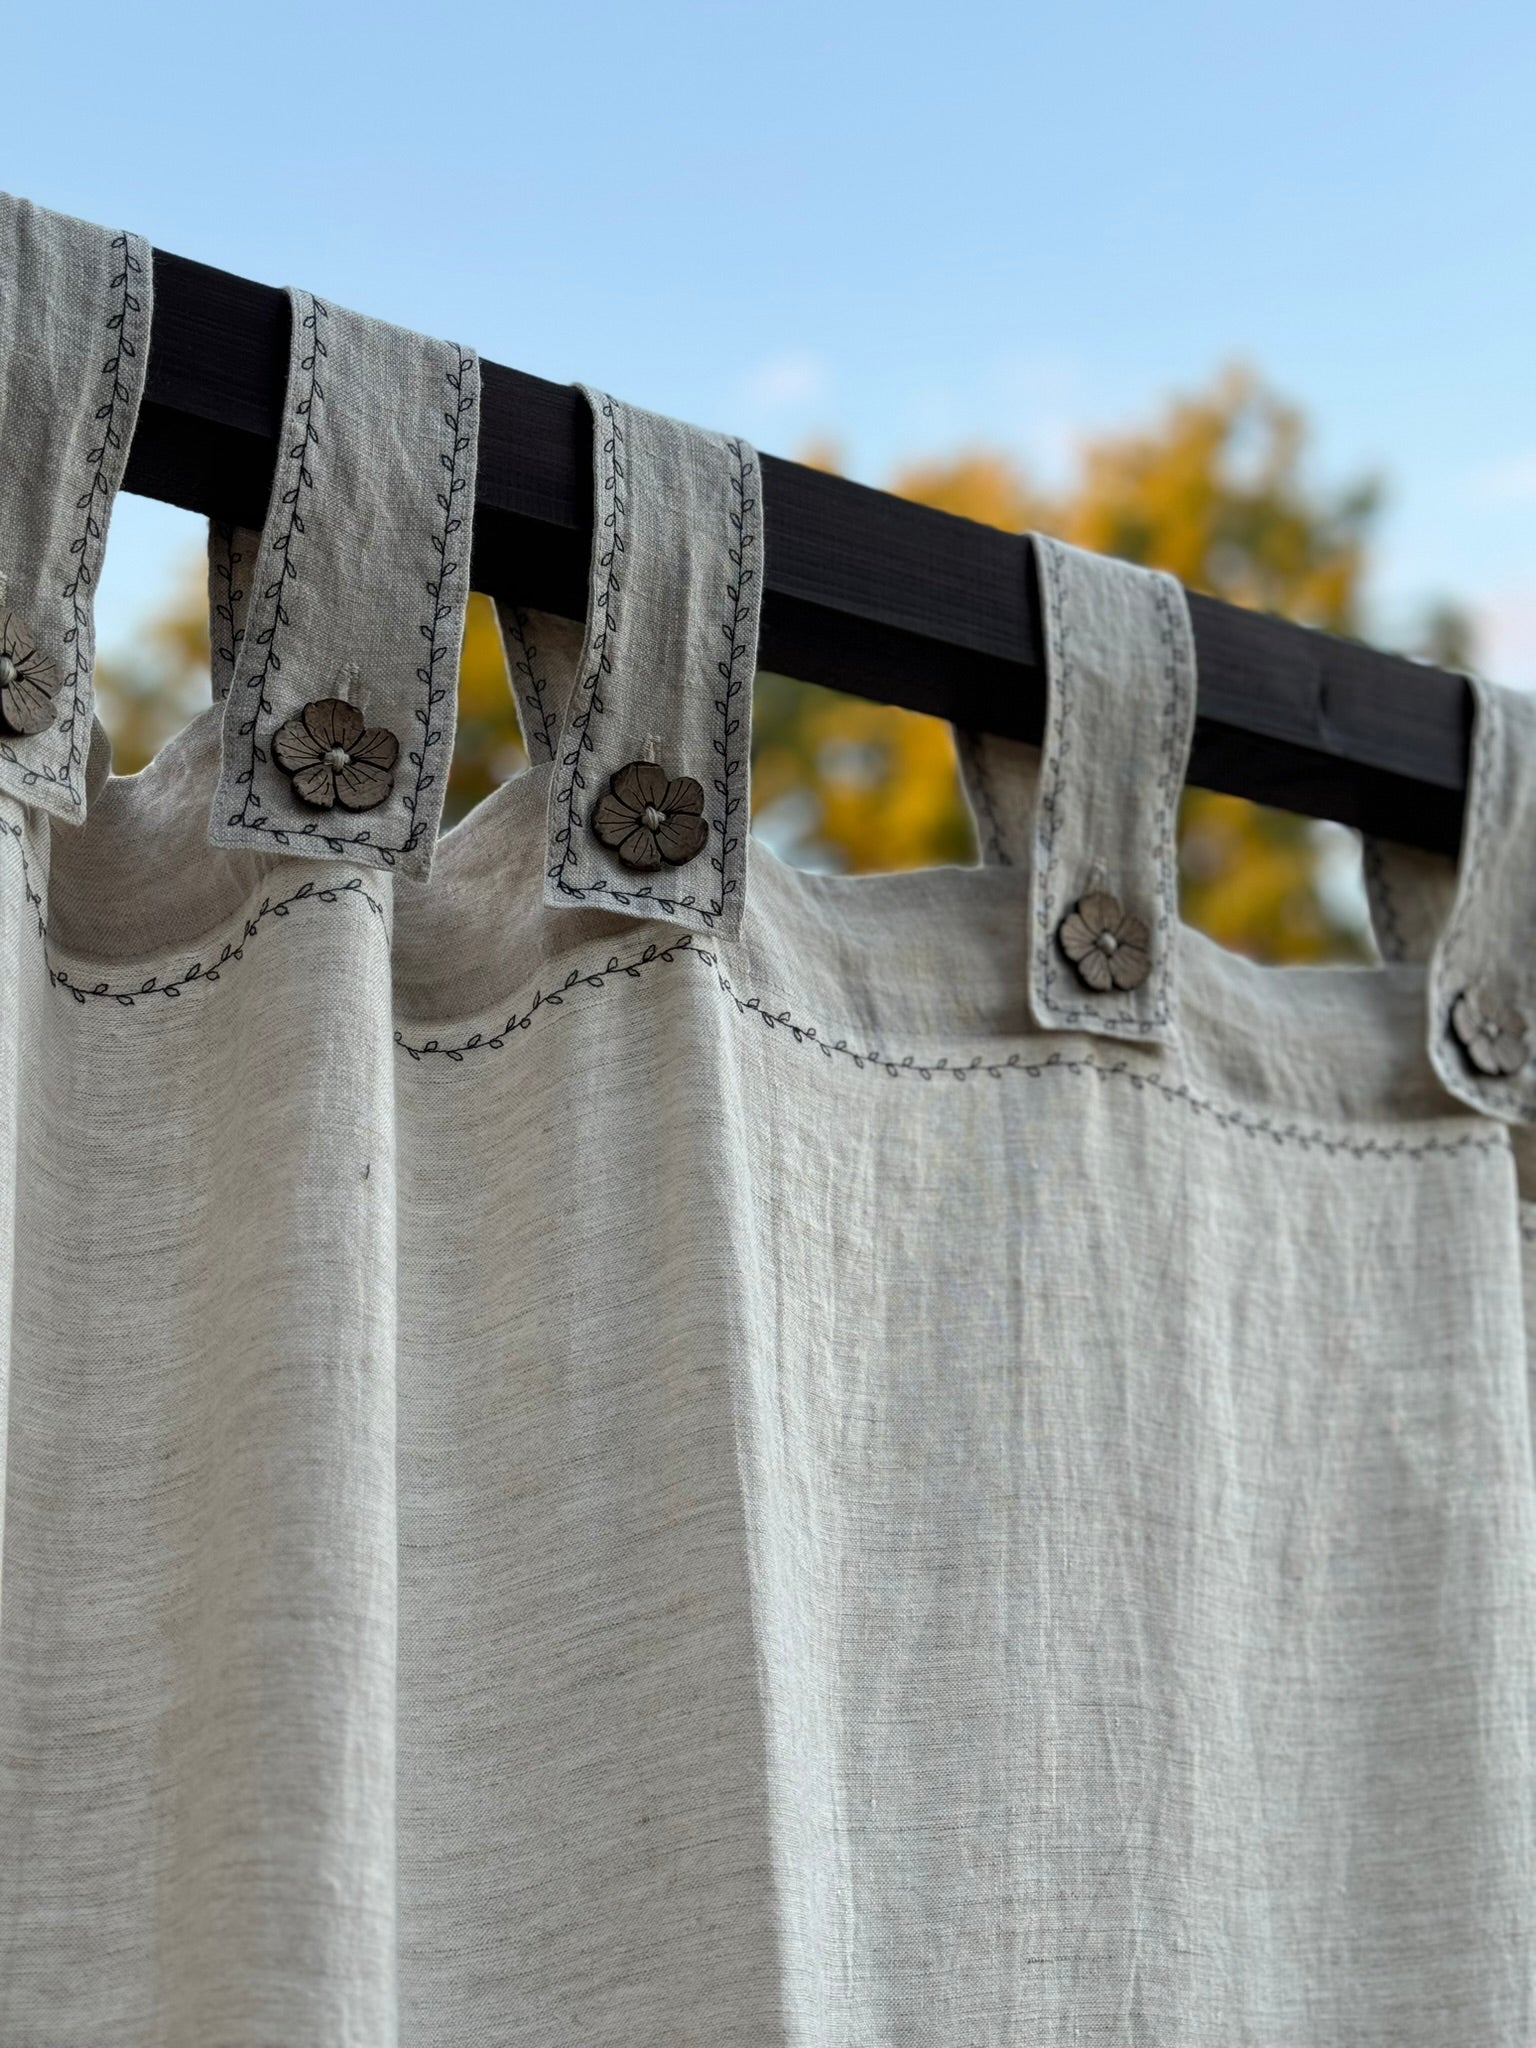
x=863, y=591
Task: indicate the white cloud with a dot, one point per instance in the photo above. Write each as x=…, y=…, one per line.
x=1036, y=407
x=1509, y=481
x=1505, y=624
x=794, y=378
x=1040, y=404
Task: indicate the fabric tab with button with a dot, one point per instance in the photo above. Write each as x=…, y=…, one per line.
x=74, y=346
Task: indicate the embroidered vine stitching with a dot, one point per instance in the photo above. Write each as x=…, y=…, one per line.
x=547, y=999
x=1393, y=945
x=908, y=1066
x=607, y=594
x=1177, y=682
x=538, y=719
x=740, y=635
x=864, y=1058
x=228, y=604
x=312, y=314
x=196, y=970
x=738, y=631
x=446, y=543
x=104, y=461
x=974, y=753
x=453, y=503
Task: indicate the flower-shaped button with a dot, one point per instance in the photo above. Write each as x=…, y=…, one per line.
x=28, y=679
x=648, y=817
x=1492, y=1033
x=333, y=760
x=1108, y=947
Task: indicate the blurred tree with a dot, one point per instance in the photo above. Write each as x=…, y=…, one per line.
x=1213, y=491
x=488, y=746
x=149, y=690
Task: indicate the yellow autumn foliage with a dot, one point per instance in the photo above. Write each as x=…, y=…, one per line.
x=1214, y=492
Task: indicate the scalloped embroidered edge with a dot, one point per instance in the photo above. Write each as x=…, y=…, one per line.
x=865, y=1059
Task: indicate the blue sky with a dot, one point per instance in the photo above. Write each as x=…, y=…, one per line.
x=906, y=228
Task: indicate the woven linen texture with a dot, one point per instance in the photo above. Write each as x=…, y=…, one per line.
x=573, y=1482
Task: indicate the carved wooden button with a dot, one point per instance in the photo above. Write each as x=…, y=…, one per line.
x=648, y=817
x=1108, y=947
x=1492, y=1033
x=333, y=760
x=28, y=679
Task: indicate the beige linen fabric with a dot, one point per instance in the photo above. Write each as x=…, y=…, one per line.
x=355, y=589
x=74, y=345
x=675, y=591
x=573, y=1480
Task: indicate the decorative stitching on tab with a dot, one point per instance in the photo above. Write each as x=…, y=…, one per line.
x=865, y=1059
x=1063, y=704
x=1489, y=731
x=597, y=655
x=538, y=719
x=452, y=502
x=976, y=756
x=457, y=442
x=95, y=505
x=735, y=629
x=225, y=560
x=300, y=479
x=732, y=680
x=1390, y=939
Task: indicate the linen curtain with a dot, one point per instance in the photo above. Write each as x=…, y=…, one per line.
x=605, y=1441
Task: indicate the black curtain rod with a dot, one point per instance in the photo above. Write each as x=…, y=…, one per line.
x=863, y=591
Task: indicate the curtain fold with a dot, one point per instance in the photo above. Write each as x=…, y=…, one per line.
x=607, y=1445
